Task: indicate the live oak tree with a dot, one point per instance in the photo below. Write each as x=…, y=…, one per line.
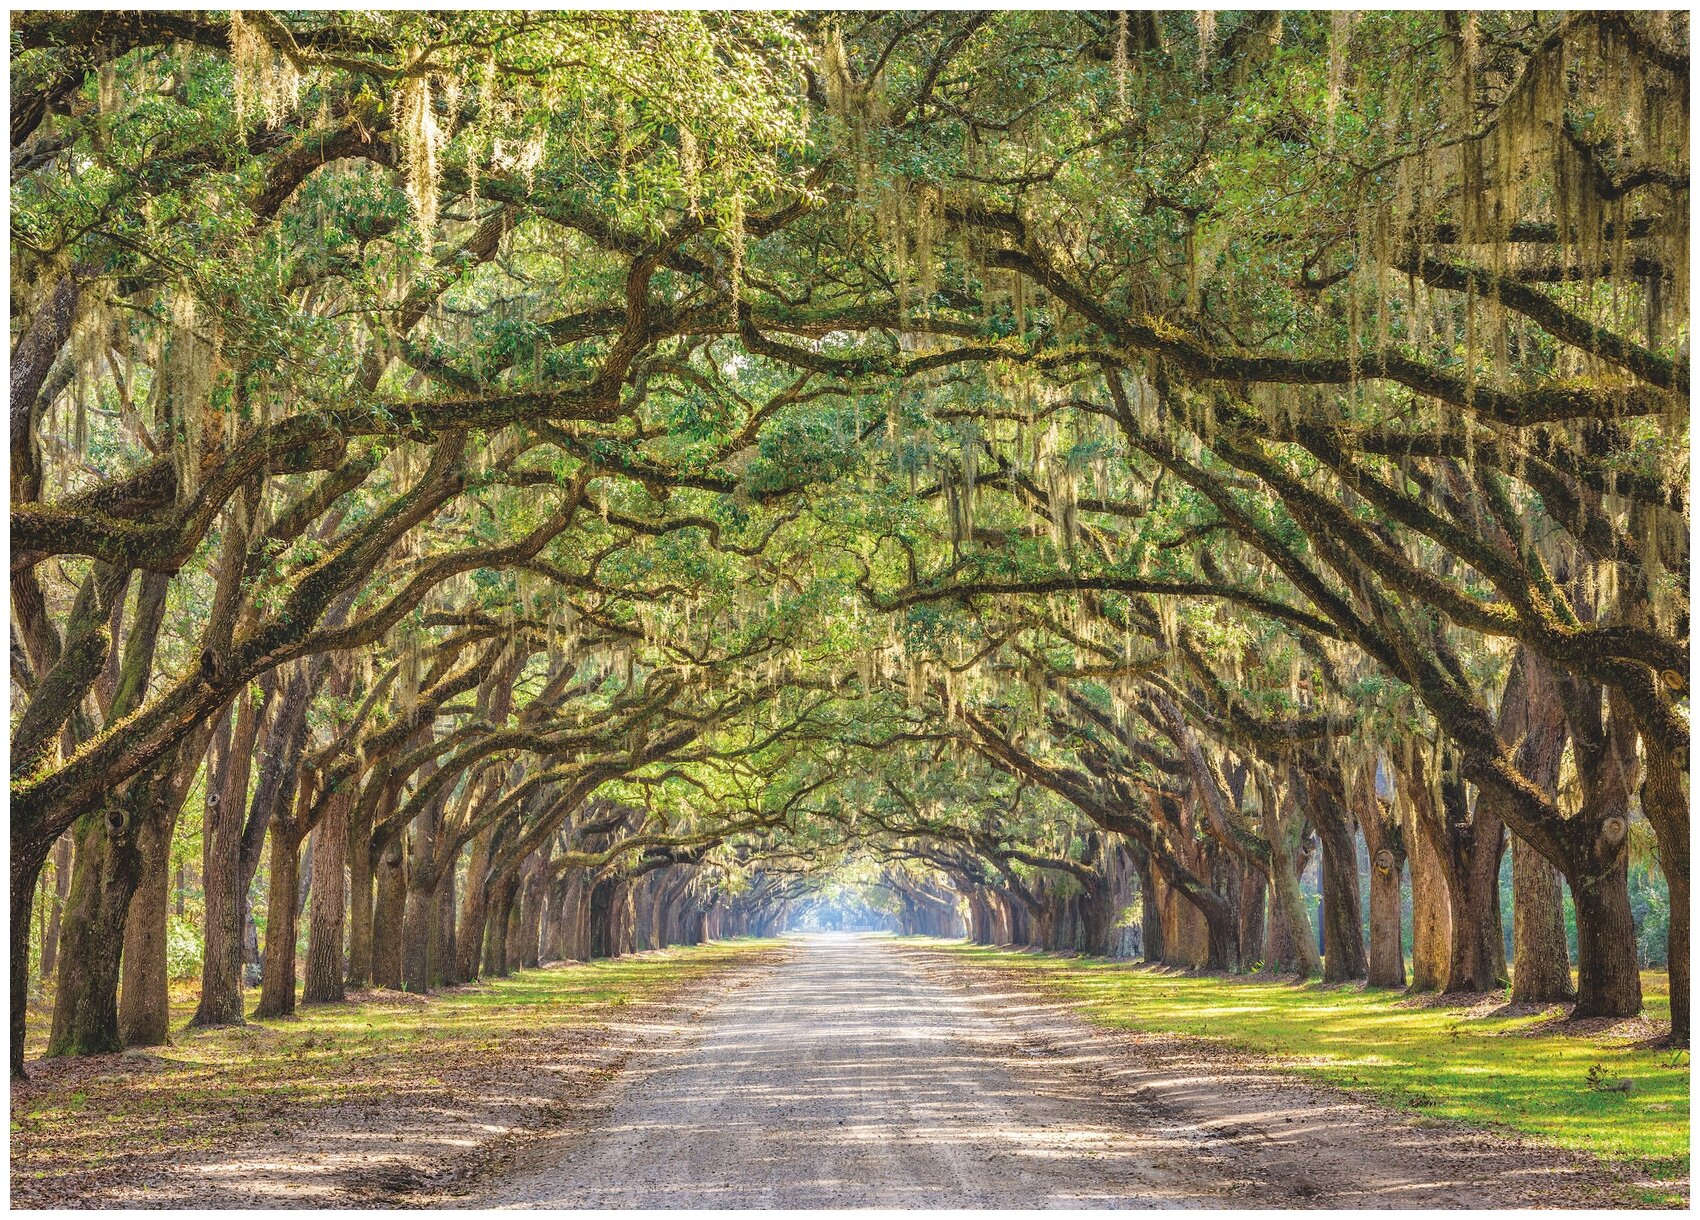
x=553, y=483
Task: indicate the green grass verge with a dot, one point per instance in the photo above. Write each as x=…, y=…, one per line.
x=83, y=1124
x=1433, y=1061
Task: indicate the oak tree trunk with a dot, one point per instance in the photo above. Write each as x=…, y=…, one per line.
x=144, y=1014
x=56, y=910
x=1541, y=963
x=1608, y=973
x=1342, y=925
x=387, y=916
x=1386, y=876
x=104, y=875
x=1431, y=921
x=325, y=926
x=277, y=969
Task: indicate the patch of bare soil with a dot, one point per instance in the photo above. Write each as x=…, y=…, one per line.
x=1284, y=1141
x=422, y=1148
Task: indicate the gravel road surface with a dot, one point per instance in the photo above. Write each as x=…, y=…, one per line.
x=848, y=1078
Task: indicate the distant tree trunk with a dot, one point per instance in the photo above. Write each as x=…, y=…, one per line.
x=1664, y=798
x=499, y=909
x=1341, y=913
x=1254, y=920
x=577, y=917
x=144, y=1013
x=387, y=915
x=61, y=891
x=1292, y=943
x=531, y=913
x=601, y=919
x=1676, y=877
x=277, y=977
x=304, y=875
x=1478, y=929
x=28, y=859
x=1150, y=907
x=419, y=918
x=144, y=1002
x=228, y=766
x=1096, y=920
x=443, y=966
x=555, y=920
x=1532, y=715
x=513, y=939
x=325, y=927
x=1222, y=939
x=469, y=931
x=979, y=919
x=360, y=879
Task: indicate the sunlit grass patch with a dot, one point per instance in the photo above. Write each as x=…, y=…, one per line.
x=1524, y=1072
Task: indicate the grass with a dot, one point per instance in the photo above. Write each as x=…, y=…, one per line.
x=1435, y=1061
x=107, y=1117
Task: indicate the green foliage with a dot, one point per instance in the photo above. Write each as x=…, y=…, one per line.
x=183, y=947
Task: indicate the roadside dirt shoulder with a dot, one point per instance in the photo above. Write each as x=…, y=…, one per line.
x=1285, y=1141
x=418, y=1149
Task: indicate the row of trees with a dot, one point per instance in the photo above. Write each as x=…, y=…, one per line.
x=578, y=472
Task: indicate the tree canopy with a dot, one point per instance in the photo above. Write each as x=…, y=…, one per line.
x=1012, y=460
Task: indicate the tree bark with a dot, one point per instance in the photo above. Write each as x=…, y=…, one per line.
x=230, y=764
x=387, y=916
x=325, y=920
x=1431, y=921
x=144, y=1012
x=1541, y=964
x=28, y=858
x=1253, y=905
x=360, y=880
x=1291, y=940
x=1664, y=798
x=1150, y=908
x=499, y=908
x=1596, y=855
x=1609, y=976
x=277, y=969
x=443, y=966
x=419, y=917
x=531, y=914
x=61, y=891
x=1532, y=714
x=1342, y=923
x=104, y=875
x=1386, y=874
x=469, y=931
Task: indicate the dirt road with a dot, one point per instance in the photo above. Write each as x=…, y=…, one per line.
x=862, y=1074
x=846, y=1079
